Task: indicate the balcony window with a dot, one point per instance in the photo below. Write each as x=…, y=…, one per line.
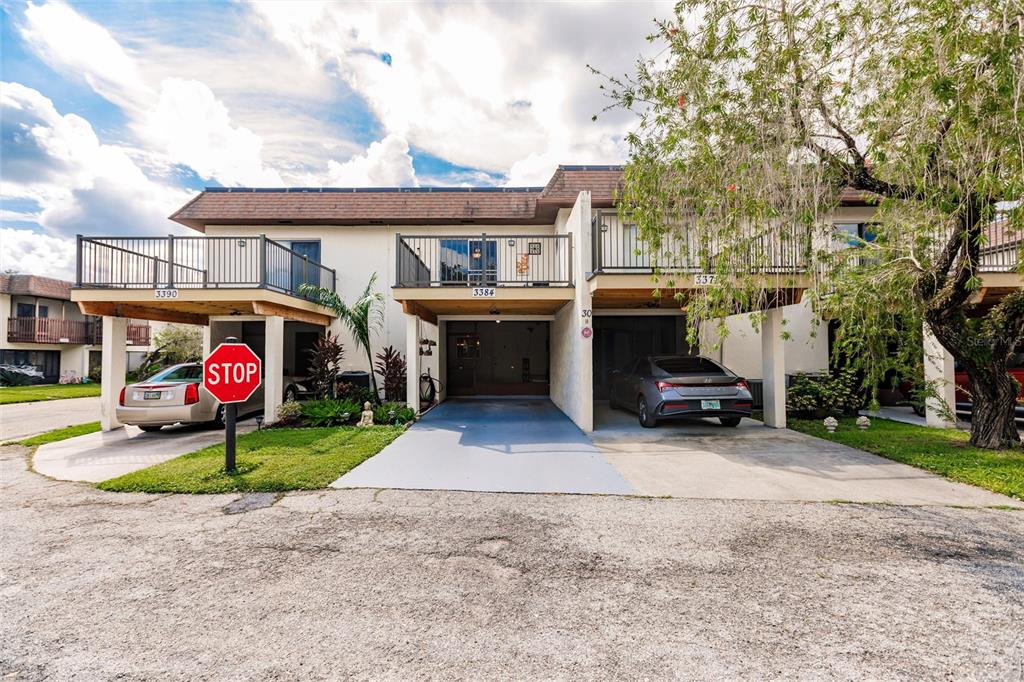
x=26, y=310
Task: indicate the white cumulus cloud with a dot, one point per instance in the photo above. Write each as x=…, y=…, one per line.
x=386, y=163
x=31, y=253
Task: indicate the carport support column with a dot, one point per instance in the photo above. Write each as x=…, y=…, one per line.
x=273, y=367
x=938, y=370
x=773, y=362
x=412, y=360
x=113, y=368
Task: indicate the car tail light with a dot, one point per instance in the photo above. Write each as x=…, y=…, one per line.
x=664, y=385
x=191, y=394
x=120, y=398
x=742, y=383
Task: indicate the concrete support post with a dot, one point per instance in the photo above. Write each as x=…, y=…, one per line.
x=938, y=369
x=412, y=359
x=773, y=360
x=207, y=346
x=115, y=337
x=273, y=367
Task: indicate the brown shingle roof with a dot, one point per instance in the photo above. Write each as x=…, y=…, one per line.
x=32, y=285
x=410, y=206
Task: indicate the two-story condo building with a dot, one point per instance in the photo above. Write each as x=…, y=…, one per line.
x=492, y=291
x=41, y=328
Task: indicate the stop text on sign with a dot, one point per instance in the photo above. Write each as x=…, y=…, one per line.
x=228, y=372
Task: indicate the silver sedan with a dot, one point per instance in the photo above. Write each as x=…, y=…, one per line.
x=176, y=396
x=667, y=386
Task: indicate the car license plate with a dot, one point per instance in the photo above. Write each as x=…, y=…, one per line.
x=151, y=395
x=711, y=404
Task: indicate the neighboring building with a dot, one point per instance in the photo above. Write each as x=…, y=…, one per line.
x=41, y=327
x=494, y=291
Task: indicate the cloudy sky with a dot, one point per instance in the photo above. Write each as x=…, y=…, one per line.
x=115, y=114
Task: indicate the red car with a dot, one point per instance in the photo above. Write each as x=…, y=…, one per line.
x=1015, y=366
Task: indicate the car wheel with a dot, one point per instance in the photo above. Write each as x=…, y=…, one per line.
x=730, y=421
x=218, y=419
x=151, y=427
x=290, y=394
x=647, y=420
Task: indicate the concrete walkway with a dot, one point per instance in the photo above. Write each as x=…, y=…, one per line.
x=100, y=456
x=499, y=445
x=701, y=459
x=22, y=420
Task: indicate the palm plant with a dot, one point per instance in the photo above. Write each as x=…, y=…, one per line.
x=364, y=317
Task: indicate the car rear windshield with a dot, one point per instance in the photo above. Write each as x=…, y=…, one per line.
x=187, y=374
x=685, y=365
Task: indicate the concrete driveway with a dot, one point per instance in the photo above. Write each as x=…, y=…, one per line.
x=22, y=420
x=100, y=456
x=510, y=445
x=703, y=459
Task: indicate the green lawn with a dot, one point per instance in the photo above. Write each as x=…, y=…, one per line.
x=60, y=434
x=31, y=394
x=267, y=461
x=943, y=451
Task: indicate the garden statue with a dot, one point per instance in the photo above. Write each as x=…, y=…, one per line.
x=863, y=423
x=831, y=424
x=367, y=418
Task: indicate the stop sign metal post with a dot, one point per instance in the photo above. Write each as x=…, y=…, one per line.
x=231, y=373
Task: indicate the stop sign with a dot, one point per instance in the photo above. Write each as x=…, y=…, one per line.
x=231, y=373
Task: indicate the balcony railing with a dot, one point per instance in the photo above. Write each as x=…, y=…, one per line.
x=483, y=260
x=1001, y=251
x=618, y=247
x=196, y=263
x=49, y=330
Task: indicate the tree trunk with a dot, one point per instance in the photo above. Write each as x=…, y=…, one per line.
x=993, y=390
x=993, y=397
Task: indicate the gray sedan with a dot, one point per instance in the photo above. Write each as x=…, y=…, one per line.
x=176, y=396
x=667, y=386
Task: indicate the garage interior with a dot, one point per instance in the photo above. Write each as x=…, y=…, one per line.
x=620, y=339
x=497, y=358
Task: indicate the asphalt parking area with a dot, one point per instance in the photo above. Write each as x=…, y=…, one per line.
x=702, y=459
x=398, y=584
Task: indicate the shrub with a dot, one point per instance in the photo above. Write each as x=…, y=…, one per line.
x=402, y=413
x=289, y=413
x=357, y=394
x=392, y=368
x=330, y=412
x=327, y=354
x=96, y=374
x=831, y=393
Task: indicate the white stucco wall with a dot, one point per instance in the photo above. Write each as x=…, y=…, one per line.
x=740, y=350
x=572, y=355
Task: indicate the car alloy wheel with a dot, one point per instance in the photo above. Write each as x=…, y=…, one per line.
x=646, y=420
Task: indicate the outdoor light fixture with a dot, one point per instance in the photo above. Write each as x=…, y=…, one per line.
x=476, y=252
x=241, y=242
x=604, y=227
x=259, y=422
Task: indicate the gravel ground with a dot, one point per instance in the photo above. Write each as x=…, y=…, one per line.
x=401, y=584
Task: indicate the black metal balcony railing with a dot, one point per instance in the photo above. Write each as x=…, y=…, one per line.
x=51, y=330
x=618, y=247
x=196, y=263
x=483, y=260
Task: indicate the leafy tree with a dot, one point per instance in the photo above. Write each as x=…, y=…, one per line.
x=755, y=119
x=363, y=317
x=173, y=344
x=179, y=343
